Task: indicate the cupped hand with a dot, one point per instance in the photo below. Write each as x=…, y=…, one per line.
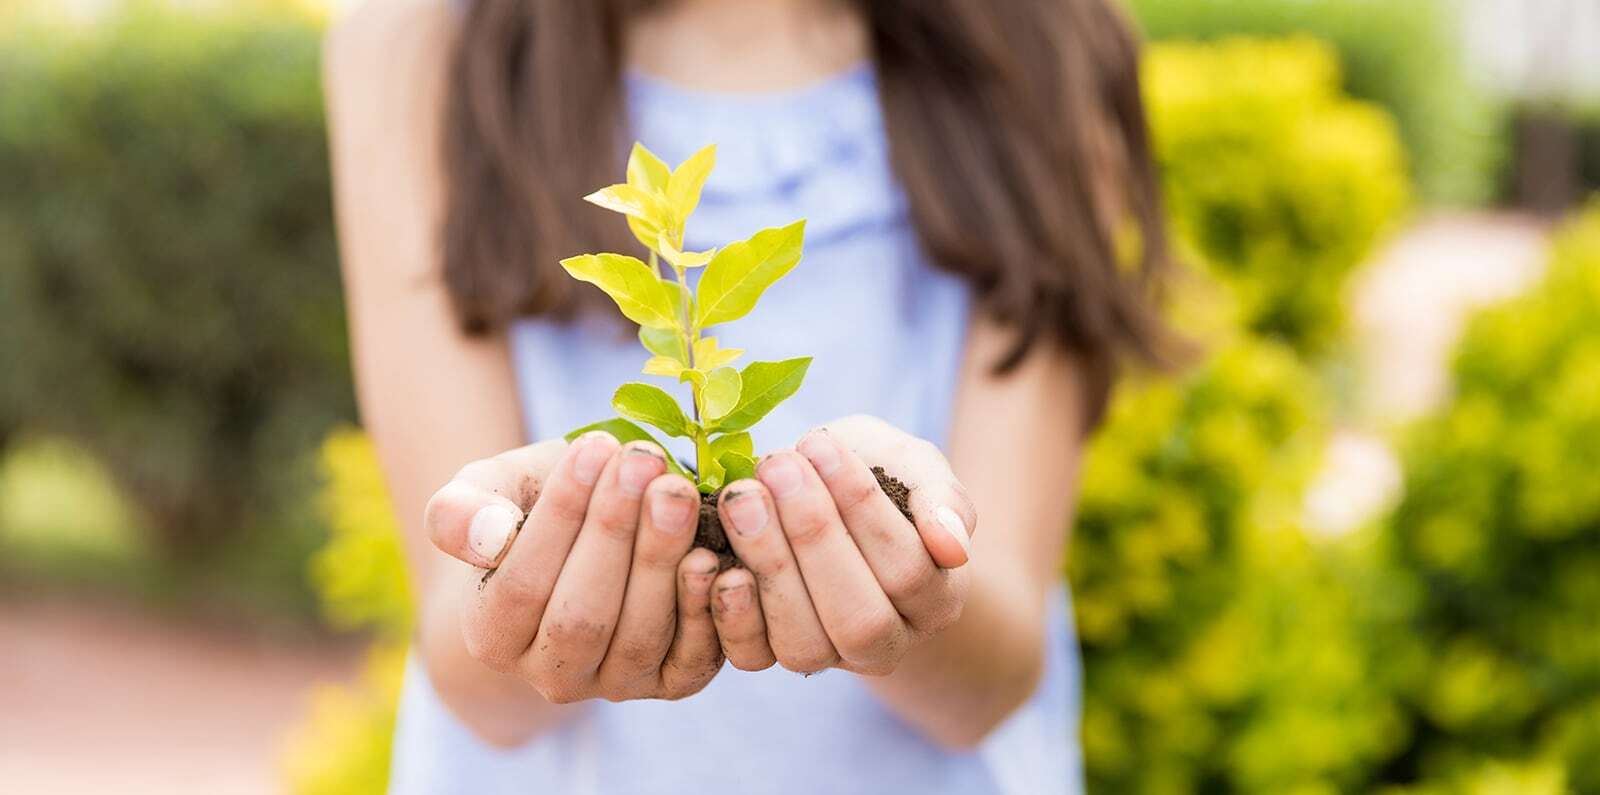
x=835, y=576
x=595, y=593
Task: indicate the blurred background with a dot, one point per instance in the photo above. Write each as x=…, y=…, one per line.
x=1355, y=549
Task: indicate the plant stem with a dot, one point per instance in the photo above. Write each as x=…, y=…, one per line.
x=691, y=335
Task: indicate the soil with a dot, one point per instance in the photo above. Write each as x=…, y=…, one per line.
x=711, y=535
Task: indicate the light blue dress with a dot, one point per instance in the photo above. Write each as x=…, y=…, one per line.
x=886, y=330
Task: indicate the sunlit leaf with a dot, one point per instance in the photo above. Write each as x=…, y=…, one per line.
x=735, y=278
x=736, y=466
x=763, y=386
x=634, y=202
x=646, y=232
x=695, y=377
x=638, y=291
x=647, y=171
x=626, y=432
x=682, y=259
x=663, y=366
x=739, y=442
x=707, y=356
x=666, y=342
x=721, y=392
x=647, y=403
x=683, y=187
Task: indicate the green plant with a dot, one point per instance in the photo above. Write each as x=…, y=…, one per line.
x=1276, y=182
x=1498, y=534
x=672, y=317
x=169, y=294
x=1407, y=57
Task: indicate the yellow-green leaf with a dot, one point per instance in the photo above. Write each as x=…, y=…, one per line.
x=647, y=403
x=695, y=377
x=638, y=291
x=626, y=432
x=710, y=470
x=666, y=342
x=683, y=260
x=646, y=232
x=663, y=365
x=720, y=393
x=763, y=385
x=707, y=356
x=740, y=272
x=632, y=201
x=647, y=171
x=739, y=442
x=736, y=466
x=683, y=188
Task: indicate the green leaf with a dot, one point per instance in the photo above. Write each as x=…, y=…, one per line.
x=664, y=366
x=683, y=188
x=736, y=466
x=626, y=432
x=682, y=260
x=638, y=291
x=664, y=342
x=707, y=356
x=739, y=442
x=710, y=470
x=632, y=201
x=647, y=171
x=695, y=377
x=763, y=386
x=647, y=403
x=721, y=392
x=740, y=272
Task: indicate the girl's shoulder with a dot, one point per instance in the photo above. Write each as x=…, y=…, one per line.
x=385, y=42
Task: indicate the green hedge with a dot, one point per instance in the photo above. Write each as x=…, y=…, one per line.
x=1403, y=54
x=169, y=296
x=1275, y=180
x=1499, y=537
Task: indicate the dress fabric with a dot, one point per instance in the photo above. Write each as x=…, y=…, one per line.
x=886, y=331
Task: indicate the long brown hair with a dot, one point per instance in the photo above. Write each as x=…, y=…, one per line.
x=1015, y=126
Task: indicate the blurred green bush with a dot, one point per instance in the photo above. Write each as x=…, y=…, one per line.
x=1274, y=179
x=1499, y=536
x=169, y=297
x=1405, y=56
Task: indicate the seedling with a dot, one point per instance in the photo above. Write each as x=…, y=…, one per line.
x=673, y=319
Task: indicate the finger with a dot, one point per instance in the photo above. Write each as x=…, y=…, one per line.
x=858, y=617
x=940, y=507
x=474, y=517
x=794, y=631
x=740, y=625
x=646, y=624
x=695, y=655
x=587, y=599
x=500, y=624
x=905, y=570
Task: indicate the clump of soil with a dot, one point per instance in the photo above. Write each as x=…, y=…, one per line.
x=711, y=535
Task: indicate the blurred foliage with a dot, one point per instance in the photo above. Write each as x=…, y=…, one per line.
x=1275, y=180
x=343, y=747
x=1406, y=56
x=169, y=299
x=1500, y=532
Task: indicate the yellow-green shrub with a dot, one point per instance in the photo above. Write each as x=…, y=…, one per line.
x=1499, y=531
x=359, y=575
x=1275, y=181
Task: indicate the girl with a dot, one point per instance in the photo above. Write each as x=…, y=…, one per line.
x=972, y=171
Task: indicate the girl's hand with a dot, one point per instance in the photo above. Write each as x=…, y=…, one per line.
x=836, y=575
x=597, y=595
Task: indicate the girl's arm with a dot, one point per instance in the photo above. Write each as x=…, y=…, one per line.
x=431, y=398
x=1015, y=443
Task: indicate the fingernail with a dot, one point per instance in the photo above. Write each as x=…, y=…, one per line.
x=734, y=599
x=821, y=452
x=781, y=474
x=640, y=465
x=747, y=511
x=594, y=450
x=670, y=512
x=490, y=531
x=952, y=524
